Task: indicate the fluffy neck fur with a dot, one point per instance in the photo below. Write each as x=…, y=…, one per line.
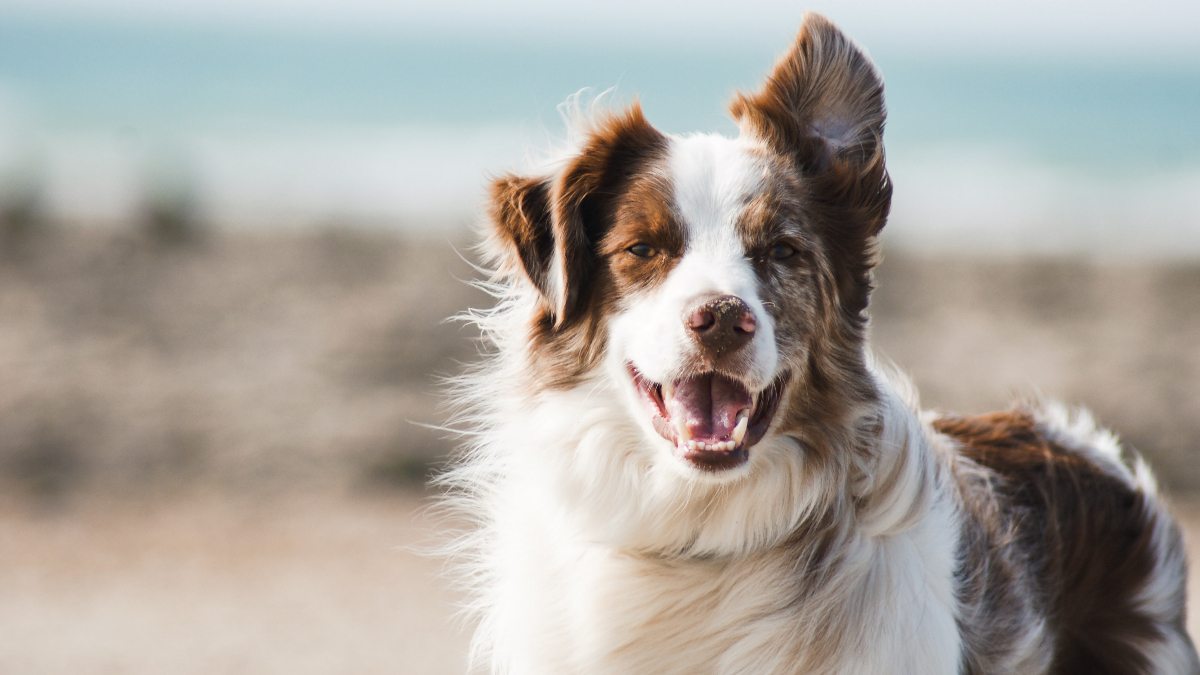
x=572, y=497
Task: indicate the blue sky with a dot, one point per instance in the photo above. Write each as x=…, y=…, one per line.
x=1015, y=126
x=1085, y=28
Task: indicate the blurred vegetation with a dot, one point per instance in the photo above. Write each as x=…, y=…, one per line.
x=255, y=362
x=271, y=361
x=172, y=219
x=20, y=215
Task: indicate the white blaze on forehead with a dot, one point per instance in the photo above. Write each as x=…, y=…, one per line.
x=712, y=179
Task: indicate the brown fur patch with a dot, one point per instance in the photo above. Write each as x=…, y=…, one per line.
x=822, y=110
x=603, y=202
x=520, y=215
x=820, y=114
x=793, y=290
x=587, y=197
x=1048, y=521
x=643, y=216
x=822, y=103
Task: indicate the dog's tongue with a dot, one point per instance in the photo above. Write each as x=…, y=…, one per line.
x=708, y=405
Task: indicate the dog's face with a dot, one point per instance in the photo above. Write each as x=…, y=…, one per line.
x=721, y=283
x=719, y=291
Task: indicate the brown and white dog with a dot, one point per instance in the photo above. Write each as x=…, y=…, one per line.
x=687, y=461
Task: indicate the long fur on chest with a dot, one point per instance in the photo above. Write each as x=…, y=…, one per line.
x=832, y=592
x=929, y=562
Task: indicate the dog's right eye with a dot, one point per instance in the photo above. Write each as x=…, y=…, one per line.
x=643, y=250
x=781, y=252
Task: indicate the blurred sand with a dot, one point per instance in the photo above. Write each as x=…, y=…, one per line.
x=212, y=449
x=308, y=584
x=305, y=585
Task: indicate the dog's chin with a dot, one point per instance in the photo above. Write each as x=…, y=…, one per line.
x=712, y=420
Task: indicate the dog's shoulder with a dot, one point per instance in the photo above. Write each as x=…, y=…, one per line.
x=1079, y=518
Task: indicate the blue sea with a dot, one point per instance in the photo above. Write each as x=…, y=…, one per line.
x=266, y=128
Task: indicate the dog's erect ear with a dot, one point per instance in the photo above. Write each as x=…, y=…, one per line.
x=549, y=227
x=822, y=104
x=822, y=108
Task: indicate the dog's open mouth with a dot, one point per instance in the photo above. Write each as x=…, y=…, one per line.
x=713, y=420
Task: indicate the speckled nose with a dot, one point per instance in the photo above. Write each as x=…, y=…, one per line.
x=721, y=324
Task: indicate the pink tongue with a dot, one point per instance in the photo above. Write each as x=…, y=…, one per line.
x=708, y=405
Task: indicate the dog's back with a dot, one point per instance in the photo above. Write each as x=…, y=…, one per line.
x=1061, y=526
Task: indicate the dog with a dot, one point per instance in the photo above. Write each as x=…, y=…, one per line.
x=686, y=460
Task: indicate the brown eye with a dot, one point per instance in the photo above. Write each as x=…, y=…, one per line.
x=781, y=251
x=643, y=250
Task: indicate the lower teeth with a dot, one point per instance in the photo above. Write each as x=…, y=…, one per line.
x=719, y=446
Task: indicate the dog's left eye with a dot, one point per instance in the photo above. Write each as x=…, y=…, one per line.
x=781, y=251
x=643, y=250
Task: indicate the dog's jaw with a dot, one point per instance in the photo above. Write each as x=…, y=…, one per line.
x=711, y=420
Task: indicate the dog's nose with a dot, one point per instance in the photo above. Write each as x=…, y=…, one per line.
x=721, y=324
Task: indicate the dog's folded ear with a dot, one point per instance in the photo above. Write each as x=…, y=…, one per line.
x=822, y=104
x=548, y=228
x=520, y=215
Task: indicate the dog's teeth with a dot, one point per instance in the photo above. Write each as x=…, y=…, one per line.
x=691, y=445
x=668, y=392
x=682, y=431
x=739, y=430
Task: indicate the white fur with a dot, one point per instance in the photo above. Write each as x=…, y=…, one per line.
x=1075, y=428
x=712, y=176
x=576, y=551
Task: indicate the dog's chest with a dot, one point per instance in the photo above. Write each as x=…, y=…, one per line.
x=608, y=612
x=568, y=606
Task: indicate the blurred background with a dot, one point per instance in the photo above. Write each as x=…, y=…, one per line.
x=231, y=233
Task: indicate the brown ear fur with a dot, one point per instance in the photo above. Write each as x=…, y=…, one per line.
x=822, y=102
x=520, y=213
x=822, y=107
x=553, y=229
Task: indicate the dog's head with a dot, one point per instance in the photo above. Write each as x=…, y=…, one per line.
x=722, y=283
